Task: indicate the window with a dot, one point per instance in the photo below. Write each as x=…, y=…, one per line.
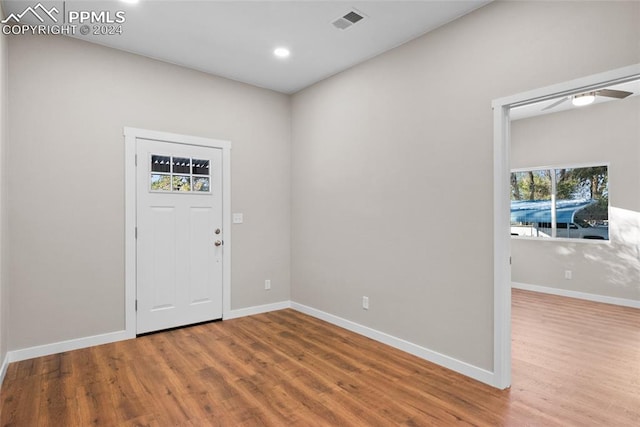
x=562, y=202
x=179, y=174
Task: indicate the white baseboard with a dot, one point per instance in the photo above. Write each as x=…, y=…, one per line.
x=576, y=294
x=75, y=344
x=3, y=368
x=456, y=365
x=250, y=311
x=59, y=347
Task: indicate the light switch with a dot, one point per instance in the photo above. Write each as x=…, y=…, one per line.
x=238, y=218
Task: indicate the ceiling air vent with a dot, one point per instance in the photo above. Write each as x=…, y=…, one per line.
x=347, y=20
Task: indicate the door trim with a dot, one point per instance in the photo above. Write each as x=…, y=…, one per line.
x=501, y=203
x=130, y=137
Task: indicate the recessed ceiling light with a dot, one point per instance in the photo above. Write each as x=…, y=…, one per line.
x=281, y=52
x=130, y=1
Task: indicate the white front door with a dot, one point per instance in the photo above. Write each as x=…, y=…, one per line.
x=179, y=246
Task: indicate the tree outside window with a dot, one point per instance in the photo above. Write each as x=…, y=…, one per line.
x=577, y=198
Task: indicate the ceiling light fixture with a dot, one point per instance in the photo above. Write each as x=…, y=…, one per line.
x=130, y=1
x=583, y=99
x=281, y=52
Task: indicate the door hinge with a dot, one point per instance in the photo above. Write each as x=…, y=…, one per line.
x=136, y=232
x=136, y=305
x=136, y=160
x=509, y=260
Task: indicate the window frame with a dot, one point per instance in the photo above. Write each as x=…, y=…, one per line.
x=555, y=167
x=171, y=174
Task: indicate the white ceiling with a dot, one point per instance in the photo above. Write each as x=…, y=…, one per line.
x=236, y=39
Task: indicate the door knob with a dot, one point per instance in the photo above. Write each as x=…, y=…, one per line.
x=218, y=242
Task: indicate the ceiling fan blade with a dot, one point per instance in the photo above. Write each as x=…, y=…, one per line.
x=620, y=94
x=555, y=104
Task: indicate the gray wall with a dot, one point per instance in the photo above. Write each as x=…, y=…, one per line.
x=69, y=103
x=392, y=166
x=3, y=202
x=389, y=195
x=599, y=133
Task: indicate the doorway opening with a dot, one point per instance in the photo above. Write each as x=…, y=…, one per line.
x=502, y=203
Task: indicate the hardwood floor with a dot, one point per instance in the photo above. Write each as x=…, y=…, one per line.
x=574, y=363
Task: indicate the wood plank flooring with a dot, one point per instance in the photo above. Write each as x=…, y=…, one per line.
x=574, y=363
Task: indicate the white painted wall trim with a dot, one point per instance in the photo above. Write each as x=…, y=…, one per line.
x=130, y=137
x=59, y=347
x=130, y=234
x=501, y=249
x=3, y=368
x=75, y=344
x=501, y=202
x=576, y=294
x=463, y=368
x=176, y=138
x=258, y=309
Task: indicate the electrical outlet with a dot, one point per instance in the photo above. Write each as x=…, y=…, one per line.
x=568, y=274
x=267, y=284
x=365, y=303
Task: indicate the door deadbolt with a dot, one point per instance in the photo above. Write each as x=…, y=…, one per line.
x=217, y=231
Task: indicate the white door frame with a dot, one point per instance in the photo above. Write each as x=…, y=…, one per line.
x=130, y=137
x=501, y=203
